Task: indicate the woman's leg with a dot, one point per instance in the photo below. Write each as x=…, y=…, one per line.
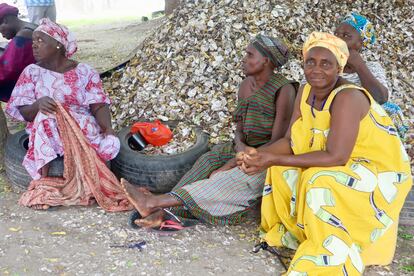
x=206, y=164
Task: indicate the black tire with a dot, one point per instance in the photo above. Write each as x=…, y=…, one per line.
x=157, y=173
x=16, y=148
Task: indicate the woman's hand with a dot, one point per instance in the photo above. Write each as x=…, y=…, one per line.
x=46, y=105
x=355, y=60
x=254, y=161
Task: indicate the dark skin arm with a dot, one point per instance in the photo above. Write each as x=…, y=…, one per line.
x=378, y=91
x=103, y=117
x=45, y=105
x=244, y=91
x=281, y=146
x=347, y=110
x=284, y=106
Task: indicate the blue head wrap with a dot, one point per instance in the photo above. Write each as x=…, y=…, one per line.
x=363, y=26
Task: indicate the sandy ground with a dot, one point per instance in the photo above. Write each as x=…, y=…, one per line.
x=77, y=240
x=105, y=46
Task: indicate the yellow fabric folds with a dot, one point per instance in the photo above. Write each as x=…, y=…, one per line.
x=330, y=215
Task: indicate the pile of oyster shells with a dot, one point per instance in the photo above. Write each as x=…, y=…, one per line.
x=190, y=68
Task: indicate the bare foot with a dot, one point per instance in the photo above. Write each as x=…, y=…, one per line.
x=153, y=220
x=144, y=190
x=137, y=197
x=40, y=207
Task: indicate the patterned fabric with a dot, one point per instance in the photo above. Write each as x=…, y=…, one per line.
x=363, y=26
x=272, y=48
x=75, y=90
x=198, y=192
x=203, y=167
x=39, y=3
x=86, y=177
x=331, y=214
x=257, y=113
x=393, y=110
x=334, y=44
x=15, y=58
x=222, y=199
x=7, y=10
x=398, y=118
x=60, y=33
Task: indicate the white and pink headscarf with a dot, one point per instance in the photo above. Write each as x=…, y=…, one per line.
x=59, y=33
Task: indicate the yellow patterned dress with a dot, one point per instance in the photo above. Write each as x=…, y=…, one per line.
x=331, y=214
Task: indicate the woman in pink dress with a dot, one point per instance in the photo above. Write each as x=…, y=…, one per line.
x=54, y=81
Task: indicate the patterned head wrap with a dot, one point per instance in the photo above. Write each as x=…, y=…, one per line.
x=59, y=33
x=272, y=48
x=7, y=10
x=334, y=44
x=363, y=26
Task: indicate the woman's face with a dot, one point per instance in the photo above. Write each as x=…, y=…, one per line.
x=44, y=47
x=6, y=28
x=253, y=62
x=351, y=36
x=321, y=68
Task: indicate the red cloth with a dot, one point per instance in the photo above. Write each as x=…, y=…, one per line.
x=85, y=179
x=7, y=10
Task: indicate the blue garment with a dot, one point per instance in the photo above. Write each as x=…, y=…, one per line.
x=39, y=3
x=397, y=117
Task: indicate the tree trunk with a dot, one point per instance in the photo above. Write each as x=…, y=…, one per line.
x=3, y=136
x=170, y=6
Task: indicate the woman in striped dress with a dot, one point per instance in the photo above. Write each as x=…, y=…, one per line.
x=215, y=190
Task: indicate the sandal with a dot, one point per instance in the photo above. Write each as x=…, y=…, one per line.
x=171, y=223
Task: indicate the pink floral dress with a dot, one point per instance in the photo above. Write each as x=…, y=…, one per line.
x=75, y=90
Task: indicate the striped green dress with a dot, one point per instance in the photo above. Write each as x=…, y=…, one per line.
x=227, y=196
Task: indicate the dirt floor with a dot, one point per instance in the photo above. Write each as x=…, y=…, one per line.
x=78, y=240
x=106, y=45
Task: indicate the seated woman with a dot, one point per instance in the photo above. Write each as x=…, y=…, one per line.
x=18, y=53
x=57, y=85
x=338, y=179
x=358, y=32
x=215, y=190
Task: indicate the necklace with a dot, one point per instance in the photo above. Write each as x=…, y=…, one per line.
x=313, y=105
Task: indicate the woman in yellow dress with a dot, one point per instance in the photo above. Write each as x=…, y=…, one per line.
x=338, y=180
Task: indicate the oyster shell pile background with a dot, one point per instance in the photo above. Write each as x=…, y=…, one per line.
x=190, y=68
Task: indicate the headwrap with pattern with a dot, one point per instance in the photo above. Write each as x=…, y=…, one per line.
x=333, y=43
x=59, y=33
x=363, y=26
x=273, y=48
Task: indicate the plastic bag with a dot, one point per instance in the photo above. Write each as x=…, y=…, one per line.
x=155, y=133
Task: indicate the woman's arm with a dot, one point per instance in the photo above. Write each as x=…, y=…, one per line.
x=285, y=103
x=257, y=158
x=347, y=110
x=103, y=117
x=45, y=105
x=243, y=93
x=378, y=91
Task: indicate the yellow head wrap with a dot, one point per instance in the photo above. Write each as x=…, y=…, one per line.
x=334, y=44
